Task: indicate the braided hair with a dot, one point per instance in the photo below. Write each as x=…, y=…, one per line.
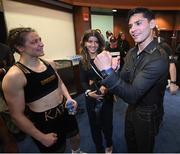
x=17, y=37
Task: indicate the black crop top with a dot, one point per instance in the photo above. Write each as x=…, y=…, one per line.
x=38, y=84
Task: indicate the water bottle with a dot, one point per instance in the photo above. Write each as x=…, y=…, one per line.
x=70, y=108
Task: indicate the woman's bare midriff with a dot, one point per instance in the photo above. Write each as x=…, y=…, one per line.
x=47, y=102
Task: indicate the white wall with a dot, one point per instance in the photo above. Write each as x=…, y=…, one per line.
x=102, y=22
x=54, y=27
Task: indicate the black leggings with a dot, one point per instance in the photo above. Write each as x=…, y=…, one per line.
x=100, y=122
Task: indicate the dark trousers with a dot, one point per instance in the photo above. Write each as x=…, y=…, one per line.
x=141, y=127
x=100, y=122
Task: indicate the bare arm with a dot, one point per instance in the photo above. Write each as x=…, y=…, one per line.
x=172, y=71
x=66, y=93
x=14, y=94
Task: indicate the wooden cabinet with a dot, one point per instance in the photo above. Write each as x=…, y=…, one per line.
x=69, y=74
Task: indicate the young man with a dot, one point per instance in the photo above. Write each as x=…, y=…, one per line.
x=141, y=83
x=34, y=83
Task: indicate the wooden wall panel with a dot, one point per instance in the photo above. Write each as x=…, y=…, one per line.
x=128, y=4
x=177, y=25
x=79, y=24
x=165, y=21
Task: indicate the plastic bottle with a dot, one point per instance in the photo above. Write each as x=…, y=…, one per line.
x=70, y=108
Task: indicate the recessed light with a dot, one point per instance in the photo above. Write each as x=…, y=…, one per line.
x=114, y=10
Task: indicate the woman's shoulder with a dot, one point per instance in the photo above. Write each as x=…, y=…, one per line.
x=14, y=76
x=14, y=71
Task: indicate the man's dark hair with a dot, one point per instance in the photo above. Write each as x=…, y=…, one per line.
x=145, y=11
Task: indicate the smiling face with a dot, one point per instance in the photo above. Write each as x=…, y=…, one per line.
x=140, y=28
x=92, y=45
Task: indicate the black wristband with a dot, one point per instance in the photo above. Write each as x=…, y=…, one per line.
x=174, y=82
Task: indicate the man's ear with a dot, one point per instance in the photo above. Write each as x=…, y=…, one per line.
x=152, y=23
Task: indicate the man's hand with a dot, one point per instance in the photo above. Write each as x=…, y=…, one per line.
x=94, y=95
x=115, y=63
x=173, y=88
x=103, y=61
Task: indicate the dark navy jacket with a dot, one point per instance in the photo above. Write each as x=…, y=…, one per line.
x=143, y=78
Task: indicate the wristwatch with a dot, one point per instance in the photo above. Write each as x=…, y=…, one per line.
x=174, y=82
x=106, y=72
